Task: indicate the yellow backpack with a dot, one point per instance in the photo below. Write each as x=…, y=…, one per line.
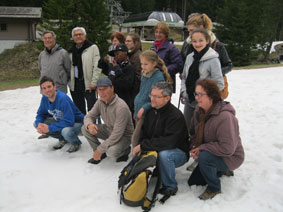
x=140, y=181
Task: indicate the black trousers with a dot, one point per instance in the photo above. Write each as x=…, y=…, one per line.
x=81, y=96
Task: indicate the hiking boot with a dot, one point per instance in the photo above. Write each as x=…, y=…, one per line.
x=43, y=136
x=229, y=173
x=167, y=191
x=208, y=194
x=60, y=144
x=124, y=157
x=74, y=148
x=92, y=161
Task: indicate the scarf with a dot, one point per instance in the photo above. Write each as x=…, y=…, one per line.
x=193, y=74
x=77, y=56
x=158, y=44
x=202, y=116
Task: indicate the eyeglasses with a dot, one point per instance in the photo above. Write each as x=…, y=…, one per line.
x=79, y=34
x=155, y=97
x=48, y=38
x=199, y=94
x=128, y=41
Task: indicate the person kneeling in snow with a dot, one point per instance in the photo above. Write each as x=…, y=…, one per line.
x=164, y=130
x=216, y=142
x=58, y=117
x=117, y=129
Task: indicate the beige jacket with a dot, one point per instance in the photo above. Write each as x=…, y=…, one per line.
x=90, y=59
x=117, y=117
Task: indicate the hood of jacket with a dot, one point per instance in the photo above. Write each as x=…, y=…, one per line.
x=210, y=54
x=57, y=47
x=223, y=106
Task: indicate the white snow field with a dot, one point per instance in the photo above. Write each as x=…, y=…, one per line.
x=35, y=178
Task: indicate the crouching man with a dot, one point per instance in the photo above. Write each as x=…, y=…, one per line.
x=58, y=117
x=117, y=128
x=164, y=130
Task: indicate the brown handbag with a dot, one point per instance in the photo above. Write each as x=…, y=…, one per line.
x=224, y=92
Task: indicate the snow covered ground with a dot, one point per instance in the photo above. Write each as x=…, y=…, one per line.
x=34, y=178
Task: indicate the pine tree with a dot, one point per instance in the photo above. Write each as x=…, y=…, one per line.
x=61, y=16
x=209, y=7
x=238, y=28
x=93, y=15
x=271, y=24
x=57, y=16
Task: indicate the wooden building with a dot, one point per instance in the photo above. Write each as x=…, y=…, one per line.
x=18, y=25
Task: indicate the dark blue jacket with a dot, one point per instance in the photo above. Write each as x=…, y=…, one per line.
x=172, y=58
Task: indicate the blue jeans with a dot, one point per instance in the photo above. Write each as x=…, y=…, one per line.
x=208, y=170
x=69, y=134
x=169, y=160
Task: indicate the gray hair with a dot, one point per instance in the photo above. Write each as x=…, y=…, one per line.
x=165, y=87
x=78, y=28
x=51, y=32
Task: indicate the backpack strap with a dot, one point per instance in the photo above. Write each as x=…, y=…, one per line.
x=157, y=173
x=214, y=45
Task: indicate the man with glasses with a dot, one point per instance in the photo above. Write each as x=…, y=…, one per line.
x=54, y=62
x=84, y=73
x=164, y=130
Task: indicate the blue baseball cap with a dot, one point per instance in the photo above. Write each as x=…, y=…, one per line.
x=104, y=81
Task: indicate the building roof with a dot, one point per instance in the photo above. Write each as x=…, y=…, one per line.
x=152, y=18
x=20, y=12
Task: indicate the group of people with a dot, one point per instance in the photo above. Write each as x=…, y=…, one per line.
x=135, y=102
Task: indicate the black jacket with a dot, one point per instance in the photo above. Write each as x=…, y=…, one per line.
x=123, y=79
x=164, y=129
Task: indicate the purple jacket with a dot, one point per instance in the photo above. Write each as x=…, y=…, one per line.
x=171, y=56
x=221, y=135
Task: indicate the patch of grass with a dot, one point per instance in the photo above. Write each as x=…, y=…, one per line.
x=20, y=63
x=10, y=85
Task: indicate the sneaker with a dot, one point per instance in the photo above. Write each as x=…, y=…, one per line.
x=97, y=161
x=208, y=194
x=60, y=144
x=43, y=136
x=124, y=157
x=74, y=148
x=167, y=191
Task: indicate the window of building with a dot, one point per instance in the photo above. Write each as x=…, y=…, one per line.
x=3, y=27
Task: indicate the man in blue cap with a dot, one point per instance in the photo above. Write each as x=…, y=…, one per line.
x=117, y=128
